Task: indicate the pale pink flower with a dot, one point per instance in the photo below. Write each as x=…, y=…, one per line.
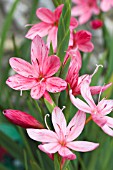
x=98, y=112
x=49, y=25
x=22, y=119
x=61, y=140
x=38, y=75
x=106, y=5
x=96, y=24
x=85, y=9
x=75, y=81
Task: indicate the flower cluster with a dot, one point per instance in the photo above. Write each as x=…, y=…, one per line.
x=43, y=77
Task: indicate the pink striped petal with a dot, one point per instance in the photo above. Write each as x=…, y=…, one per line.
x=55, y=84
x=105, y=106
x=107, y=130
x=51, y=147
x=79, y=103
x=22, y=119
x=58, y=12
x=82, y=37
x=66, y=153
x=19, y=82
x=22, y=67
x=52, y=37
x=40, y=29
x=73, y=23
x=87, y=47
x=99, y=120
x=76, y=126
x=45, y=15
x=97, y=89
x=51, y=66
x=38, y=91
x=86, y=94
x=51, y=156
x=109, y=121
x=59, y=121
x=42, y=135
x=82, y=146
x=39, y=52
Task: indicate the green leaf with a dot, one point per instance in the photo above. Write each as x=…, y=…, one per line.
x=63, y=30
x=12, y=147
x=6, y=26
x=10, y=131
x=49, y=106
x=64, y=69
x=2, y=167
x=56, y=162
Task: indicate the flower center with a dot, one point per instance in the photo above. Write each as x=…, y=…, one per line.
x=56, y=23
x=63, y=143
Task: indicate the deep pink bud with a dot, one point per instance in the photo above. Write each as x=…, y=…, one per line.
x=95, y=24
x=22, y=119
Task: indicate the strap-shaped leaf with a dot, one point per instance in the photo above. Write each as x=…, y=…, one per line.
x=63, y=31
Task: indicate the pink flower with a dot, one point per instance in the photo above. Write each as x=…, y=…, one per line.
x=96, y=24
x=61, y=140
x=85, y=9
x=106, y=5
x=38, y=75
x=49, y=25
x=98, y=112
x=75, y=81
x=82, y=41
x=22, y=119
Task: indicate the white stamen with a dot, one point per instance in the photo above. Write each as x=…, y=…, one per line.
x=27, y=25
x=63, y=108
x=41, y=80
x=100, y=93
x=97, y=66
x=47, y=115
x=20, y=92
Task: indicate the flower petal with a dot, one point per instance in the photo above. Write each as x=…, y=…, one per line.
x=40, y=29
x=97, y=89
x=51, y=156
x=51, y=66
x=73, y=23
x=66, y=153
x=76, y=126
x=107, y=130
x=55, y=84
x=22, y=67
x=42, y=135
x=85, y=17
x=39, y=52
x=86, y=94
x=38, y=91
x=22, y=119
x=58, y=11
x=109, y=121
x=99, y=119
x=59, y=121
x=82, y=37
x=45, y=15
x=82, y=146
x=105, y=106
x=79, y=103
x=51, y=147
x=87, y=47
x=19, y=82
x=52, y=37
